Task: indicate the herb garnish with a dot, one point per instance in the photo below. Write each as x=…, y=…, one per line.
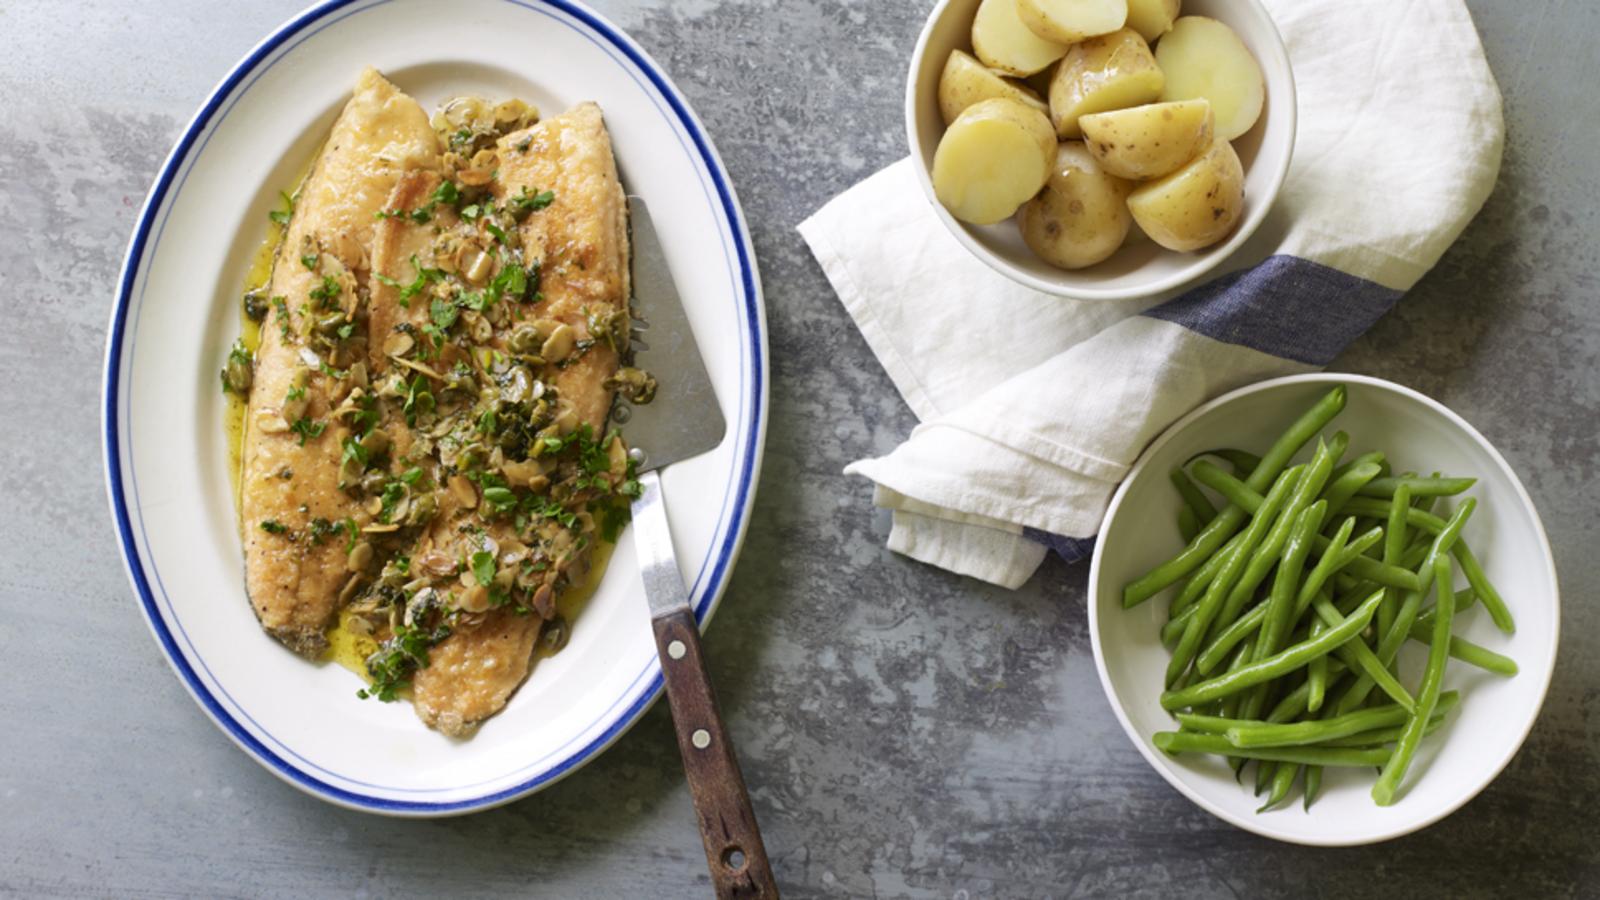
x=273, y=526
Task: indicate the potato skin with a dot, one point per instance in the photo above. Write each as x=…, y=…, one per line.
x=991, y=159
x=966, y=81
x=1081, y=216
x=1149, y=141
x=1112, y=71
x=1086, y=19
x=1197, y=205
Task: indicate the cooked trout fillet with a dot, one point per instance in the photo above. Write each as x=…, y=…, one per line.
x=290, y=496
x=558, y=180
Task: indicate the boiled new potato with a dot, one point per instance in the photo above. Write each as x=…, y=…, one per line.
x=1111, y=71
x=1001, y=40
x=1081, y=216
x=1202, y=57
x=1148, y=141
x=1195, y=206
x=1152, y=18
x=966, y=81
x=1070, y=21
x=992, y=158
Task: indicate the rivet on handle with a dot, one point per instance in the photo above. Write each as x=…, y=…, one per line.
x=676, y=649
x=701, y=738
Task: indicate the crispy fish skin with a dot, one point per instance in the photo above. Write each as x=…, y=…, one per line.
x=289, y=478
x=581, y=241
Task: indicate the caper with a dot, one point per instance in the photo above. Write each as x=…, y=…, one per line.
x=422, y=509
x=238, y=373
x=518, y=386
x=558, y=346
x=329, y=325
x=554, y=634
x=526, y=338
x=376, y=442
x=637, y=385
x=360, y=557
x=255, y=304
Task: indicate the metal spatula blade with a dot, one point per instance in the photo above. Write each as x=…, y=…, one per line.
x=685, y=421
x=682, y=421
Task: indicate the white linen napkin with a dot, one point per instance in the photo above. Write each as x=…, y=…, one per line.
x=1033, y=407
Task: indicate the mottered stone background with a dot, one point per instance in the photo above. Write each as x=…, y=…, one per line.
x=905, y=732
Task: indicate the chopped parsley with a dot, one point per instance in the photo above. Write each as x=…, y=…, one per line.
x=425, y=276
x=282, y=306
x=322, y=529
x=273, y=526
x=281, y=216
x=398, y=658
x=310, y=261
x=306, y=427
x=328, y=292
x=526, y=203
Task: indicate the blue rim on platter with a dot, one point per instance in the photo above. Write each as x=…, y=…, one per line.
x=708, y=585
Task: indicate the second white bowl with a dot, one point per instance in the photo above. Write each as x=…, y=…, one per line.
x=1496, y=713
x=1139, y=269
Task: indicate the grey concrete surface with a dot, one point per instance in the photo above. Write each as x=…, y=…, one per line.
x=905, y=732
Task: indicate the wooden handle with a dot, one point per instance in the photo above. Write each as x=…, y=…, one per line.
x=738, y=859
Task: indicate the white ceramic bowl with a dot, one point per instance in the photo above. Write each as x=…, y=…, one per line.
x=1495, y=714
x=1140, y=268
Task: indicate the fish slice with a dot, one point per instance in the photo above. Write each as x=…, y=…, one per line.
x=684, y=421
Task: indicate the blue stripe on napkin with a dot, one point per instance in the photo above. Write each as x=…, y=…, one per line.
x=1286, y=306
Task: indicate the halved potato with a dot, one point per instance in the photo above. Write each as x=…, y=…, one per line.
x=1152, y=18
x=1111, y=71
x=1001, y=40
x=1081, y=216
x=1202, y=57
x=1195, y=206
x=966, y=81
x=992, y=158
x=1070, y=21
x=1148, y=141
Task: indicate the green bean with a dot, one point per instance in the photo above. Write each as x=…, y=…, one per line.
x=1283, y=778
x=1313, y=785
x=1373, y=458
x=1316, y=675
x=1335, y=557
x=1286, y=584
x=1278, y=664
x=1394, y=771
x=1187, y=526
x=1420, y=487
x=1395, y=531
x=1209, y=605
x=1187, y=742
x=1242, y=627
x=1230, y=703
x=1394, y=547
x=1232, y=489
x=1372, y=570
x=1232, y=517
x=1390, y=641
x=1315, y=731
x=1192, y=497
x=1201, y=579
x=1357, y=655
x=1208, y=724
x=1243, y=462
x=1484, y=589
x=1465, y=558
x=1343, y=486
x=1265, y=772
x=1463, y=649
x=1314, y=475
x=1383, y=735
